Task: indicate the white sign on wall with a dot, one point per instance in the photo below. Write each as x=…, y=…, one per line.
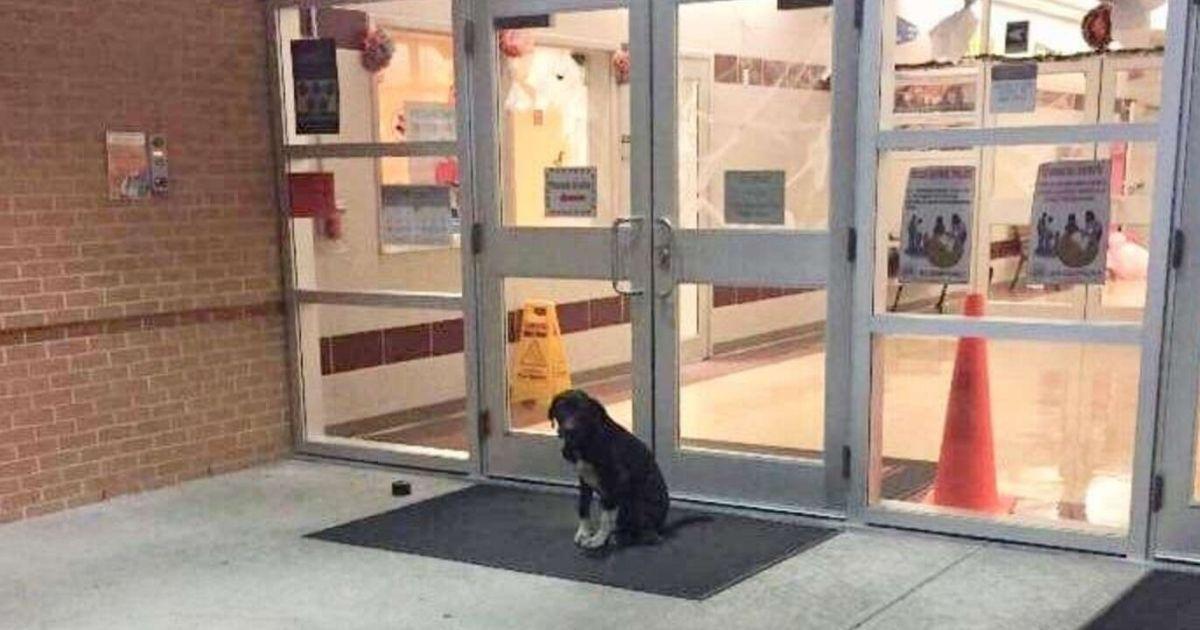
x=571, y=192
x=754, y=197
x=415, y=215
x=936, y=242
x=1071, y=209
x=429, y=122
x=1014, y=88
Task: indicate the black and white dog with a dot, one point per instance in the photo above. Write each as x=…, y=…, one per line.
x=613, y=463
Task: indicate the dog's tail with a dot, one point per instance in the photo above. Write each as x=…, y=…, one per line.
x=670, y=529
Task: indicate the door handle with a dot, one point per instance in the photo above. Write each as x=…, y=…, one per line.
x=664, y=253
x=616, y=256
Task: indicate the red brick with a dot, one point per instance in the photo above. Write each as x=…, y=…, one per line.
x=18, y=468
x=38, y=448
x=96, y=322
x=19, y=501
x=42, y=509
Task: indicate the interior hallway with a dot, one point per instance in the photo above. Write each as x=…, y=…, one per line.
x=1062, y=417
x=228, y=552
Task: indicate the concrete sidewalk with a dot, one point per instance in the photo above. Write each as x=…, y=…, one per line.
x=228, y=552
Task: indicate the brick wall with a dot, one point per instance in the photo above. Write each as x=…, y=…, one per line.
x=142, y=343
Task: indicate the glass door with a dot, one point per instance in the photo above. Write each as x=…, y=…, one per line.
x=750, y=248
x=562, y=237
x=1175, y=494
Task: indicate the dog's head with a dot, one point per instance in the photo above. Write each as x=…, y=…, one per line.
x=576, y=416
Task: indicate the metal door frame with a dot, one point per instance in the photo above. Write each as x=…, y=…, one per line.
x=568, y=253
x=796, y=258
x=1174, y=511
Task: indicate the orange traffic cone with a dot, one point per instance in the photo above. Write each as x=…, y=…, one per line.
x=966, y=472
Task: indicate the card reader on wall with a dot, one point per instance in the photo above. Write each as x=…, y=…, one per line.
x=158, y=166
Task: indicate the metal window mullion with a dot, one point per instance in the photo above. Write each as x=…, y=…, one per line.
x=383, y=299
x=1015, y=329
x=925, y=139
x=519, y=8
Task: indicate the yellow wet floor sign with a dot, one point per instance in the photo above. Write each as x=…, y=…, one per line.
x=539, y=368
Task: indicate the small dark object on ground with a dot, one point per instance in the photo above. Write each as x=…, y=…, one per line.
x=401, y=488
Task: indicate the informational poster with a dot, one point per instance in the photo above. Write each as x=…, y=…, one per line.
x=936, y=241
x=415, y=215
x=128, y=165
x=754, y=197
x=315, y=76
x=571, y=192
x=938, y=94
x=1014, y=88
x=1071, y=209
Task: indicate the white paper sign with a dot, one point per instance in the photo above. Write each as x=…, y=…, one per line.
x=754, y=197
x=936, y=241
x=429, y=122
x=1071, y=208
x=1014, y=88
x=571, y=192
x=415, y=215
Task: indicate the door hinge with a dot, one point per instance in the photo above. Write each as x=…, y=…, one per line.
x=476, y=239
x=852, y=245
x=468, y=37
x=846, y=462
x=1156, y=494
x=485, y=424
x=1177, y=243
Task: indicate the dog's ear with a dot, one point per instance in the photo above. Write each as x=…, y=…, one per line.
x=593, y=406
x=555, y=404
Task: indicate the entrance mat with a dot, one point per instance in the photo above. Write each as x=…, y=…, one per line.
x=532, y=532
x=1163, y=600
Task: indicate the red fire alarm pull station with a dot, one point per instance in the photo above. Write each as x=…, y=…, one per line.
x=313, y=197
x=311, y=194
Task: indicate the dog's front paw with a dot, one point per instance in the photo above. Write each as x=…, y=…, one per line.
x=596, y=540
x=604, y=531
x=584, y=532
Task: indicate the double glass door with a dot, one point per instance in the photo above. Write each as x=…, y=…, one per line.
x=662, y=195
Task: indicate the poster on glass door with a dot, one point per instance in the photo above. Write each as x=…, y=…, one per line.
x=935, y=244
x=1071, y=209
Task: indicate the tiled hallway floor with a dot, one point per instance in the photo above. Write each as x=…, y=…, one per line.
x=228, y=552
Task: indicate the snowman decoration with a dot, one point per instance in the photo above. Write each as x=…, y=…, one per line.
x=545, y=79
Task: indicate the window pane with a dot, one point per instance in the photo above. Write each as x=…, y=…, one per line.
x=1062, y=420
x=755, y=105
x=384, y=233
x=565, y=106
x=1136, y=95
x=940, y=70
x=1004, y=235
x=407, y=97
x=564, y=334
x=384, y=376
x=752, y=370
